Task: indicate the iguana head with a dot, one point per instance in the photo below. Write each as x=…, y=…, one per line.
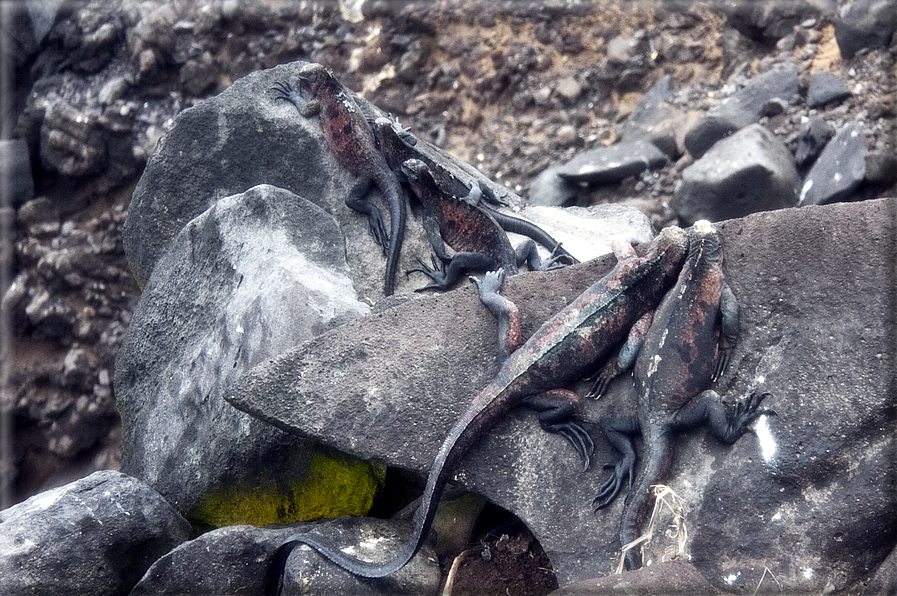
x=414, y=169
x=316, y=76
x=704, y=243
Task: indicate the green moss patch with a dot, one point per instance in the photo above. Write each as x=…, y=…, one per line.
x=333, y=485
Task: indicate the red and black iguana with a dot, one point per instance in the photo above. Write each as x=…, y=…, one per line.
x=686, y=347
x=478, y=239
x=351, y=140
x=563, y=350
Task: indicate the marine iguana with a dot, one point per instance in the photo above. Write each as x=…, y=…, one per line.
x=349, y=136
x=479, y=241
x=398, y=145
x=681, y=354
x=565, y=347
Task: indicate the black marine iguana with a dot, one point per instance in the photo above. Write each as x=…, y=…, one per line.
x=349, y=136
x=399, y=145
x=686, y=346
x=561, y=351
x=479, y=241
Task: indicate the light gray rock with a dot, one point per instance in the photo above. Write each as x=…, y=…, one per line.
x=840, y=169
x=550, y=190
x=656, y=120
x=743, y=108
x=97, y=535
x=588, y=232
x=748, y=172
x=255, y=275
x=235, y=561
x=816, y=332
x=71, y=142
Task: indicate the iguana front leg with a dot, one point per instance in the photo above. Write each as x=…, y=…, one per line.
x=559, y=409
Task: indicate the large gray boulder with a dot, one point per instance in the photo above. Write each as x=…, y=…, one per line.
x=255, y=275
x=817, y=331
x=97, y=535
x=748, y=172
x=244, y=137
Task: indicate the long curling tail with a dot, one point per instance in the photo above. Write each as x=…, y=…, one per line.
x=398, y=213
x=470, y=425
x=658, y=460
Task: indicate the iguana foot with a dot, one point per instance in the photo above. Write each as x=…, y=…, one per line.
x=623, y=470
x=285, y=92
x=491, y=282
x=580, y=439
x=559, y=413
x=437, y=273
x=745, y=413
x=356, y=200
x=557, y=259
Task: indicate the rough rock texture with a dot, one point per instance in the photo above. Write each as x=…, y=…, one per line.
x=748, y=172
x=840, y=169
x=672, y=578
x=743, y=108
x=817, y=330
x=97, y=535
x=251, y=277
x=234, y=561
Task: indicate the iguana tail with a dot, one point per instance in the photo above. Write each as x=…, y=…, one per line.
x=398, y=213
x=658, y=460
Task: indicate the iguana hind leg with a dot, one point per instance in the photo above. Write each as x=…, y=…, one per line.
x=559, y=411
x=619, y=431
x=356, y=200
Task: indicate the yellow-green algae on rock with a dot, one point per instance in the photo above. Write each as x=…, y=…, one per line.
x=334, y=485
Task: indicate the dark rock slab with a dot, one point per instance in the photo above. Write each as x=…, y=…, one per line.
x=15, y=169
x=840, y=169
x=811, y=140
x=817, y=324
x=551, y=190
x=865, y=24
x=743, y=108
x=748, y=172
x=613, y=163
x=235, y=560
x=673, y=578
x=248, y=279
x=243, y=137
x=97, y=535
x=825, y=88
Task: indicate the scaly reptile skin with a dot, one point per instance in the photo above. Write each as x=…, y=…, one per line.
x=681, y=353
x=351, y=140
x=478, y=239
x=398, y=146
x=572, y=343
